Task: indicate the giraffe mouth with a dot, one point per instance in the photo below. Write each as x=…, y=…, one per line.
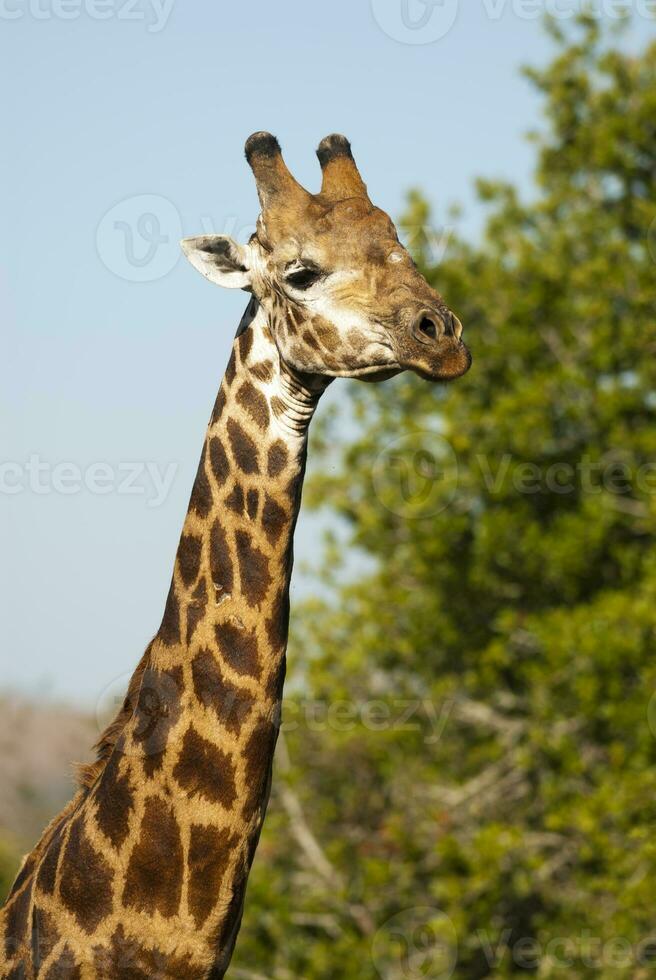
x=372, y=372
x=451, y=366
x=446, y=361
x=380, y=374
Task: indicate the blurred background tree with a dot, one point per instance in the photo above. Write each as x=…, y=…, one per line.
x=465, y=783
x=494, y=570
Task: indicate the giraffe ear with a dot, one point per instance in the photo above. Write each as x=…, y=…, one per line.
x=220, y=259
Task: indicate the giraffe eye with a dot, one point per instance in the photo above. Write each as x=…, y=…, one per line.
x=303, y=278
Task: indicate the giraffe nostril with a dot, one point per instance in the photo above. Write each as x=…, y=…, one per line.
x=427, y=327
x=430, y=326
x=456, y=326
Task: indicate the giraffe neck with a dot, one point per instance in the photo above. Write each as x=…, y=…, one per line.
x=182, y=798
x=208, y=714
x=234, y=560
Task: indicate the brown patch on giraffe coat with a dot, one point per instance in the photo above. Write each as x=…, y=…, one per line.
x=47, y=873
x=219, y=405
x=293, y=491
x=231, y=704
x=153, y=882
x=277, y=458
x=196, y=608
x=255, y=404
x=220, y=560
x=231, y=370
x=26, y=870
x=44, y=936
x=189, y=551
x=205, y=770
x=277, y=406
x=274, y=689
x=18, y=972
x=16, y=923
x=253, y=569
x=326, y=333
x=114, y=801
x=219, y=461
x=235, y=499
x=277, y=624
x=239, y=648
x=65, y=967
x=127, y=959
x=169, y=631
x=258, y=755
x=157, y=712
x=274, y=519
x=201, y=494
x=228, y=930
x=311, y=340
x=263, y=371
x=245, y=343
x=252, y=503
x=86, y=880
x=209, y=857
x=356, y=340
x=244, y=449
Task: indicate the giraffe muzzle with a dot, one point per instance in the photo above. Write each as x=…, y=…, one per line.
x=433, y=346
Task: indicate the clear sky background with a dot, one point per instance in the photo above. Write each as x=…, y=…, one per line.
x=121, y=135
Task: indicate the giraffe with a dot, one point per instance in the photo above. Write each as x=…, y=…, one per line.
x=144, y=873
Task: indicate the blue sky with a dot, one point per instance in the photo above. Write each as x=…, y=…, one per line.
x=124, y=128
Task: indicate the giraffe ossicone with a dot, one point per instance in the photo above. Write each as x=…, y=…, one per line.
x=144, y=873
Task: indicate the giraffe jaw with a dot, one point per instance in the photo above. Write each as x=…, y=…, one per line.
x=444, y=365
x=372, y=372
x=448, y=360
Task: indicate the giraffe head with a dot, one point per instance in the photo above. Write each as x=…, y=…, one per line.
x=342, y=295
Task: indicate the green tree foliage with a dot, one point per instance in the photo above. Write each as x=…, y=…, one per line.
x=503, y=590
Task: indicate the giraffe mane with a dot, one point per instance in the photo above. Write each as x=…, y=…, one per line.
x=88, y=772
x=31, y=860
